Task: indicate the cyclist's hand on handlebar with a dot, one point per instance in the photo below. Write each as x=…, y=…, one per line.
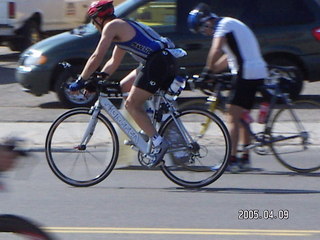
x=101, y=75
x=91, y=85
x=205, y=75
x=77, y=85
x=205, y=78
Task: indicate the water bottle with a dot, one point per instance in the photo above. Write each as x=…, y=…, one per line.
x=263, y=112
x=246, y=116
x=175, y=88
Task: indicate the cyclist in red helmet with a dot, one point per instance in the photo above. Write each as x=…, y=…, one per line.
x=157, y=69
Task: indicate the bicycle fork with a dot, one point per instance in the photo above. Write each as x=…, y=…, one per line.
x=212, y=107
x=95, y=110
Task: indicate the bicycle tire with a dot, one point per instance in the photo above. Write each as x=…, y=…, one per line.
x=205, y=105
x=25, y=228
x=206, y=162
x=298, y=154
x=76, y=167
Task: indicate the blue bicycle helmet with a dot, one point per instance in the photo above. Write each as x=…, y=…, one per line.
x=198, y=16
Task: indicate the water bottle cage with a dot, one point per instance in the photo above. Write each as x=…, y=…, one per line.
x=174, y=95
x=159, y=113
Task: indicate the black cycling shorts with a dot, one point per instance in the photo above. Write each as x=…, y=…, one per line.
x=157, y=73
x=244, y=91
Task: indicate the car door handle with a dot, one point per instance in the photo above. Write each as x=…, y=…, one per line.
x=193, y=46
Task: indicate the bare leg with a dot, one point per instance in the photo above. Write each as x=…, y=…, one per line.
x=234, y=126
x=126, y=82
x=135, y=106
x=245, y=137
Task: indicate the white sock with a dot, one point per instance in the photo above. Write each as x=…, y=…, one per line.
x=156, y=140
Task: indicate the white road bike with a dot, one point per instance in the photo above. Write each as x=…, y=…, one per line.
x=82, y=144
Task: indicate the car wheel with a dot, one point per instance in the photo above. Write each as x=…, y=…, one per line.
x=69, y=99
x=297, y=76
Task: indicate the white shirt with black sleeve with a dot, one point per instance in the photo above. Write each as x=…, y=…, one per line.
x=242, y=48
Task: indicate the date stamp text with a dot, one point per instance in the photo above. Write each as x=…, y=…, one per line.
x=267, y=214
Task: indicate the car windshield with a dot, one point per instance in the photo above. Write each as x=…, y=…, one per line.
x=161, y=13
x=83, y=29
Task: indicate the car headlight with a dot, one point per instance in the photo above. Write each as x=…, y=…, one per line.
x=34, y=57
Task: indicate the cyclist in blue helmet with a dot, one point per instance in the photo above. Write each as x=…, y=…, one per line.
x=233, y=47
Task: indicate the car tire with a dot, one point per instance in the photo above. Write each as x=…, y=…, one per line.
x=296, y=88
x=69, y=100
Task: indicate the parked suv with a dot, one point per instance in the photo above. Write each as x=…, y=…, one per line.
x=288, y=32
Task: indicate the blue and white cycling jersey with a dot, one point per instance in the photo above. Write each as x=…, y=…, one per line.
x=145, y=42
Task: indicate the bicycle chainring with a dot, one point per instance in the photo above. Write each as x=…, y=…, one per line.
x=264, y=148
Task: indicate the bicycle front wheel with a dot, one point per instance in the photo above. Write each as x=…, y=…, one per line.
x=203, y=158
x=16, y=227
x=86, y=165
x=298, y=147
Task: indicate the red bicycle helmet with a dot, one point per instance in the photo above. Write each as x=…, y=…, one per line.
x=102, y=8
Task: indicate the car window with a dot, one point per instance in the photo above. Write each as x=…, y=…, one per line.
x=281, y=12
x=318, y=1
x=160, y=14
x=257, y=13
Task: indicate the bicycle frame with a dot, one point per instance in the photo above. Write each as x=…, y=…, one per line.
x=261, y=141
x=104, y=103
x=216, y=98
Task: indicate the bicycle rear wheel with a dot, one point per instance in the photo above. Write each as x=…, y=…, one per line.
x=15, y=227
x=204, y=160
x=300, y=153
x=81, y=167
x=204, y=104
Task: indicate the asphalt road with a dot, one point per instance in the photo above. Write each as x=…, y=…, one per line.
x=136, y=204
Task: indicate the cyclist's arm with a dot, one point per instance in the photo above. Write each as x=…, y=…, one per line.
x=221, y=65
x=216, y=60
x=107, y=36
x=113, y=63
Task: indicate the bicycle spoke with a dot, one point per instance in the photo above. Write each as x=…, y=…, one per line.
x=202, y=161
x=89, y=164
x=298, y=149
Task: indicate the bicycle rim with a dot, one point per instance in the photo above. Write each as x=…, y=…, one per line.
x=300, y=154
x=85, y=167
x=15, y=227
x=202, y=163
x=211, y=106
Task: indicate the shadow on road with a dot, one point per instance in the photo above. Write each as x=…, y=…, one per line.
x=9, y=57
x=6, y=75
x=228, y=190
x=256, y=191
x=53, y=105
